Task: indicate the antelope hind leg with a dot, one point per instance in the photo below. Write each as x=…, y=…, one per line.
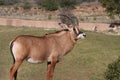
x=13, y=70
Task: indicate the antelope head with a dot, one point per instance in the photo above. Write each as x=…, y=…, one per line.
x=71, y=23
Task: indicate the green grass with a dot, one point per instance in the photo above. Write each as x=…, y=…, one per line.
x=87, y=61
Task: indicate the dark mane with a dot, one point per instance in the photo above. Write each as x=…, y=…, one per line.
x=57, y=31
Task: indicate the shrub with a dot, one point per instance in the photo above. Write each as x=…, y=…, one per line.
x=9, y=2
x=113, y=71
x=1, y=2
x=67, y=3
x=53, y=5
x=94, y=18
x=50, y=5
x=49, y=17
x=26, y=5
x=81, y=19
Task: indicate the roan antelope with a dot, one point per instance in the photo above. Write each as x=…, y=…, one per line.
x=50, y=48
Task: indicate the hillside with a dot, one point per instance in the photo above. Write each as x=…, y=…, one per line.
x=85, y=10
x=38, y=2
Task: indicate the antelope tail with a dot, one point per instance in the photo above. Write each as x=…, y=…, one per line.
x=11, y=46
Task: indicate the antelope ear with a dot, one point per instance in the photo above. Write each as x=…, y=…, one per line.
x=76, y=30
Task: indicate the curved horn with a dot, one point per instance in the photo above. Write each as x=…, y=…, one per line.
x=69, y=18
x=76, y=22
x=73, y=19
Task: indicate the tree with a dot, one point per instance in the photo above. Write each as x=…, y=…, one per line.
x=112, y=7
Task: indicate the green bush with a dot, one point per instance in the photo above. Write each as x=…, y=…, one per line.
x=26, y=5
x=53, y=5
x=50, y=5
x=1, y=2
x=9, y=2
x=49, y=17
x=67, y=3
x=113, y=71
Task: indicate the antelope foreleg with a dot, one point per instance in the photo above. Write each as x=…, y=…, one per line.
x=50, y=69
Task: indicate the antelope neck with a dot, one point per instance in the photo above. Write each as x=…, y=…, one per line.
x=74, y=39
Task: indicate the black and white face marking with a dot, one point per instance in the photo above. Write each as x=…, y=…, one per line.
x=81, y=35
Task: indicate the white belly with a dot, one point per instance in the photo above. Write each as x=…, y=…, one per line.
x=30, y=60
